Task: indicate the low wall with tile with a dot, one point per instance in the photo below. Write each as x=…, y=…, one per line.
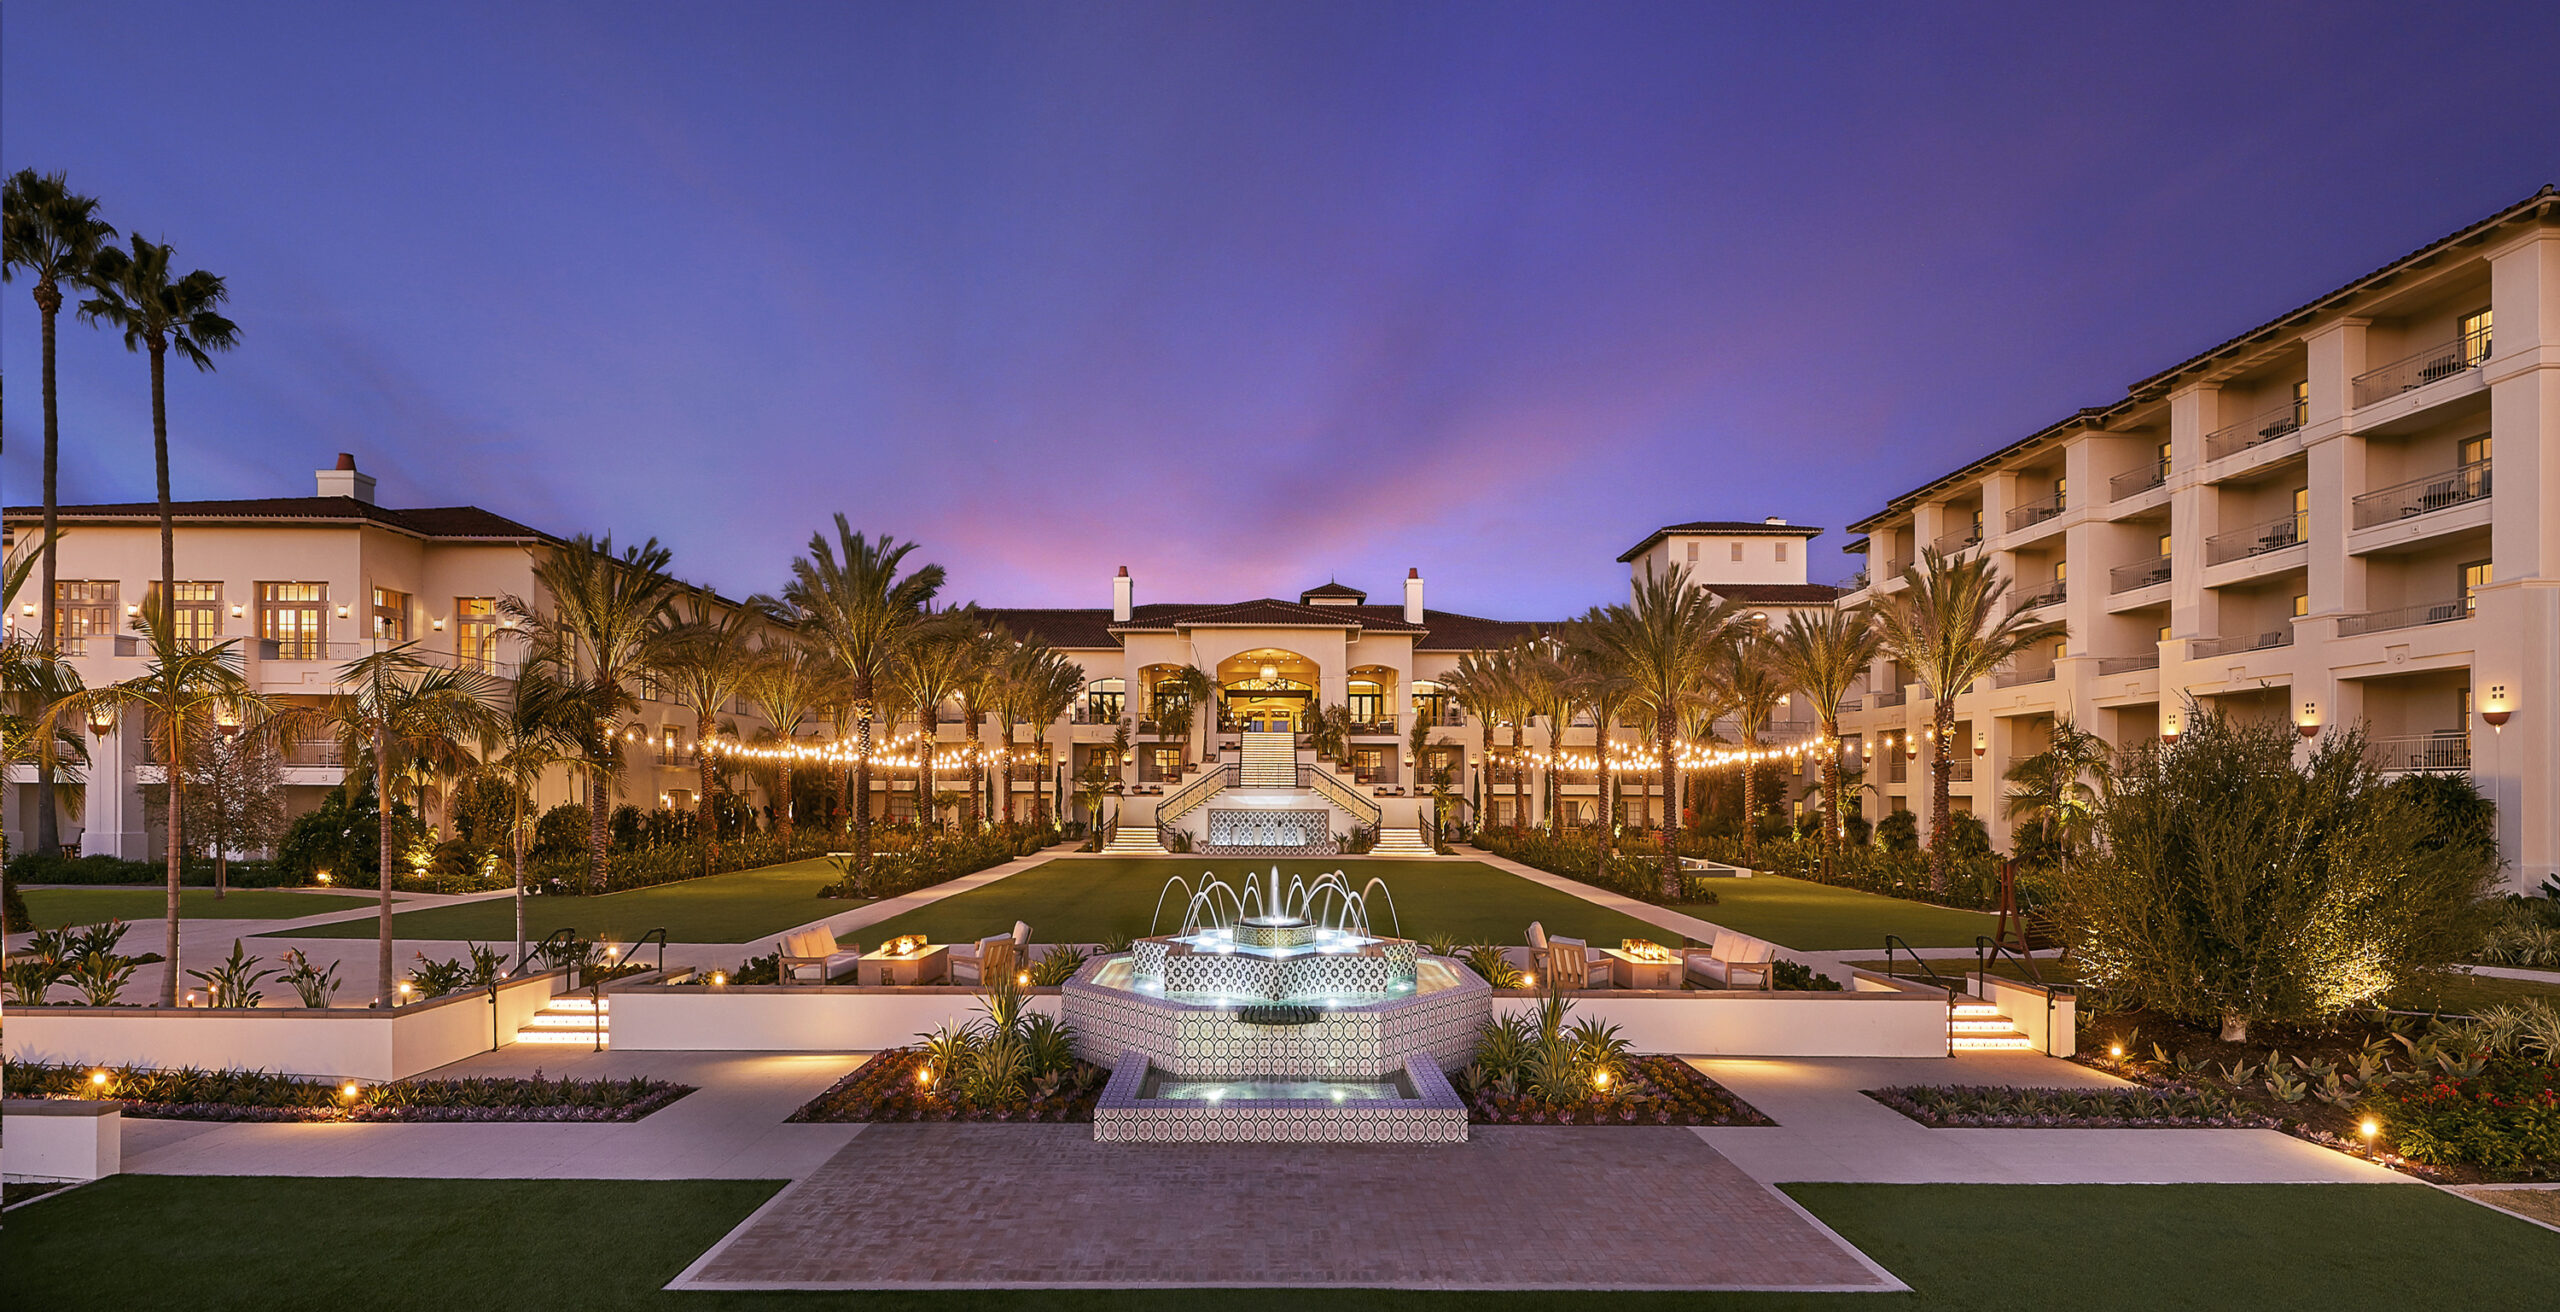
x=794, y=1018
x=1756, y=1023
x=335, y=1043
x=1435, y=1114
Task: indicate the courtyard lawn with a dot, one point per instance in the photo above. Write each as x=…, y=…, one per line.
x=53, y=908
x=1087, y=900
x=1812, y=917
x=441, y=1244
x=731, y=908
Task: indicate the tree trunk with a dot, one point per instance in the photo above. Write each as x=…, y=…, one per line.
x=782, y=804
x=515, y=844
x=48, y=826
x=160, y=461
x=1939, y=769
x=169, y=980
x=1519, y=773
x=862, y=789
x=924, y=778
x=1669, y=830
x=1608, y=784
x=383, y=990
x=599, y=841
x=1832, y=819
x=704, y=813
x=969, y=812
x=1750, y=800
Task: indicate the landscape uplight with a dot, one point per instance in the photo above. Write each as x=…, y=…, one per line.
x=98, y=1079
x=2369, y=1128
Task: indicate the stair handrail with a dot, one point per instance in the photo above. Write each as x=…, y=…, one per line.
x=1890, y=941
x=1333, y=790
x=660, y=935
x=1986, y=949
x=563, y=936
x=1182, y=801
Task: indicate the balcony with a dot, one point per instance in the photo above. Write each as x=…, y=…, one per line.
x=2149, y=660
x=2444, y=749
x=2256, y=430
x=2416, y=497
x=2404, y=617
x=2135, y=482
x=2034, y=512
x=2051, y=595
x=1959, y=768
x=1891, y=697
x=2022, y=673
x=2432, y=365
x=1098, y=713
x=2256, y=539
x=315, y=751
x=293, y=649
x=1951, y=543
x=2208, y=648
x=2139, y=574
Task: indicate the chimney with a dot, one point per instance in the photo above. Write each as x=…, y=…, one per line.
x=344, y=481
x=1774, y=520
x=1413, y=596
x=1123, y=595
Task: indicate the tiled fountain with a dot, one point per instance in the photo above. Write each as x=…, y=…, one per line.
x=1275, y=1014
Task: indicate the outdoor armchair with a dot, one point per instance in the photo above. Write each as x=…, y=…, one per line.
x=815, y=950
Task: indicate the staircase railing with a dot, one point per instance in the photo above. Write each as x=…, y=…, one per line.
x=1335, y=791
x=1986, y=951
x=1892, y=941
x=555, y=943
x=658, y=936
x=1186, y=799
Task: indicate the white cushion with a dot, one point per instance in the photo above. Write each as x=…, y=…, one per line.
x=1562, y=941
x=1757, y=950
x=1537, y=936
x=822, y=941
x=796, y=944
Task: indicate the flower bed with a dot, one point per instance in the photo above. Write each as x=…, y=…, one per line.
x=887, y=1088
x=189, y=1094
x=1646, y=1091
x=2503, y=1116
x=2006, y=1107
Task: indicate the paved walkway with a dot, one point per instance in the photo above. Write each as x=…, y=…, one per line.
x=996, y=1206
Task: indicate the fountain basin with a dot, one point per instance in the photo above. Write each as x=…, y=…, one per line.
x=1243, y=1036
x=1142, y=1104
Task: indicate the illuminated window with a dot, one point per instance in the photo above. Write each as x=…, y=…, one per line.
x=83, y=609
x=290, y=615
x=390, y=615
x=2301, y=604
x=1367, y=701
x=2061, y=489
x=475, y=632
x=2475, y=449
x=2474, y=576
x=2301, y=404
x=2475, y=337
x=2164, y=633
x=2301, y=513
x=2164, y=546
x=197, y=616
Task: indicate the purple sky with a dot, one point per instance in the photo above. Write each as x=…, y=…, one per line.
x=1241, y=295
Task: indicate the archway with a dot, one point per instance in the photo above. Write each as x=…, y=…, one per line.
x=1266, y=688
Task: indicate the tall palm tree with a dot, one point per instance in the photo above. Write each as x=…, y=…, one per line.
x=2058, y=788
x=1599, y=683
x=1547, y=692
x=1746, y=672
x=859, y=609
x=606, y=623
x=399, y=707
x=1481, y=684
x=1051, y=683
x=158, y=314
x=1197, y=691
x=788, y=683
x=180, y=691
x=33, y=677
x=1950, y=628
x=1664, y=638
x=1821, y=656
x=703, y=654
x=932, y=664
x=984, y=646
x=539, y=729
x=55, y=235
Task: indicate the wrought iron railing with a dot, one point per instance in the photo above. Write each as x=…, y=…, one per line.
x=2265, y=426
x=2139, y=574
x=2444, y=749
x=2257, y=539
x=2034, y=512
x=1949, y=544
x=2050, y=595
x=2149, y=660
x=2433, y=365
x=2021, y=674
x=2404, y=617
x=2416, y=497
x=2203, y=648
x=1333, y=790
x=2134, y=482
x=1182, y=801
x=1891, y=697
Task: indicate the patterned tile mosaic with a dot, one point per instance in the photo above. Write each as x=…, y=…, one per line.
x=1435, y=1114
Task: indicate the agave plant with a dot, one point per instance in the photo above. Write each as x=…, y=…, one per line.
x=1116, y=943
x=1441, y=945
x=1048, y=1045
x=1056, y=966
x=1486, y=959
x=234, y=983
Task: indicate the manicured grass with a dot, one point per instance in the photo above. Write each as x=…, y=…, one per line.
x=227, y=1242
x=1814, y=917
x=2467, y=994
x=1086, y=900
x=54, y=908
x=732, y=908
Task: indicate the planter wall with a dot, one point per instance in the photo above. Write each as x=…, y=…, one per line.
x=794, y=1017
x=335, y=1043
x=1752, y=1023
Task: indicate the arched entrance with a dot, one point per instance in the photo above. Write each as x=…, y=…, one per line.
x=1266, y=689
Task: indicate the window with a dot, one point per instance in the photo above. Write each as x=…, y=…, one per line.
x=83, y=609
x=2301, y=514
x=1103, y=699
x=1369, y=766
x=2061, y=570
x=2061, y=490
x=1367, y=701
x=2164, y=546
x=197, y=616
x=1782, y=551
x=2164, y=460
x=1158, y=765
x=289, y=615
x=1737, y=551
x=2475, y=337
x=475, y=632
x=1431, y=703
x=2301, y=604
x=390, y=615
x=2164, y=633
x=2301, y=403
x=1693, y=553
x=2475, y=450
x=2474, y=576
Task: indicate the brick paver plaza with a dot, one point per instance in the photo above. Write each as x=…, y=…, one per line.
x=1519, y=1207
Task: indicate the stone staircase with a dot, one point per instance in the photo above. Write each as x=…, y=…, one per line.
x=571, y=1020
x=1982, y=1027
x=1134, y=840
x=1270, y=760
x=1401, y=842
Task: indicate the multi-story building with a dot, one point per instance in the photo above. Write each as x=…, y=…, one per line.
x=2349, y=514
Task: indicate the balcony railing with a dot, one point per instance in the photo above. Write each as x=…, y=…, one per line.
x=1891, y=570
x=2050, y=595
x=2434, y=364
x=2256, y=539
x=2205, y=648
x=2035, y=512
x=1951, y=543
x=2444, y=749
x=2149, y=660
x=1088, y=713
x=2023, y=673
x=1959, y=768
x=2419, y=495
x=2139, y=574
x=1891, y=697
x=2265, y=426
x=290, y=649
x=2404, y=617
x=315, y=751
x=2134, y=482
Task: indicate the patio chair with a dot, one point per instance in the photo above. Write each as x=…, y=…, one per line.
x=1571, y=964
x=991, y=958
x=813, y=950
x=1731, y=959
x=1537, y=941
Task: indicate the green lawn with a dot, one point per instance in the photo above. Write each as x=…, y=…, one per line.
x=56, y=907
x=733, y=908
x=1086, y=900
x=1814, y=917
x=227, y=1242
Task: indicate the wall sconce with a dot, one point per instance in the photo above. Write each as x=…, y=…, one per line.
x=2494, y=709
x=27, y=609
x=2169, y=727
x=131, y=610
x=437, y=625
x=102, y=718
x=226, y=720
x=2309, y=725
x=342, y=612
x=236, y=611
x=1981, y=744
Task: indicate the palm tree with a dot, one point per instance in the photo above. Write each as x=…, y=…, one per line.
x=932, y=664
x=1821, y=655
x=1664, y=639
x=788, y=684
x=180, y=691
x=399, y=708
x=1747, y=675
x=1480, y=684
x=1600, y=684
x=55, y=235
x=1198, y=694
x=540, y=729
x=136, y=294
x=33, y=677
x=1948, y=626
x=606, y=624
x=1547, y=688
x=702, y=656
x=983, y=648
x=859, y=610
x=2051, y=794
x=1056, y=682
